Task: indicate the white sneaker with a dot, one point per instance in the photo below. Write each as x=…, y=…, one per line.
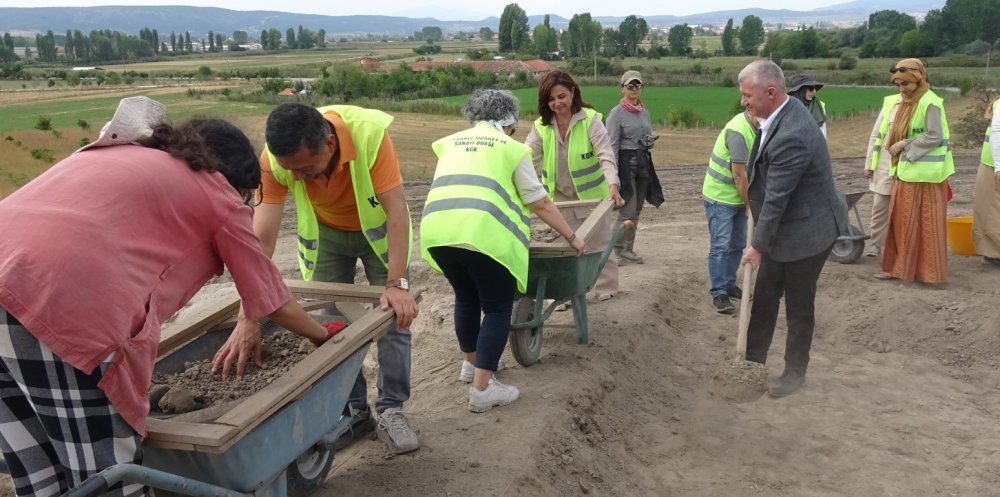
x=469, y=371
x=394, y=429
x=496, y=394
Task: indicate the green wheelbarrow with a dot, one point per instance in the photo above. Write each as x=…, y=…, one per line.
x=559, y=278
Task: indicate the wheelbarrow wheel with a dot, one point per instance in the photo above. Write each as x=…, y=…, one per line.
x=308, y=472
x=525, y=343
x=848, y=251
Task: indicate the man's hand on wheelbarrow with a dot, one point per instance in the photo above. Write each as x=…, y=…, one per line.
x=402, y=303
x=244, y=342
x=617, y=197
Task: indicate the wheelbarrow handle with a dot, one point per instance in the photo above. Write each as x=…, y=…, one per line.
x=93, y=486
x=616, y=234
x=99, y=483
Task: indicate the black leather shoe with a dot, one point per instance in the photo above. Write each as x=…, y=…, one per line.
x=722, y=304
x=735, y=292
x=362, y=424
x=786, y=384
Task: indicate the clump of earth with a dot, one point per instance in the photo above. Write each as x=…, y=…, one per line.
x=197, y=388
x=737, y=380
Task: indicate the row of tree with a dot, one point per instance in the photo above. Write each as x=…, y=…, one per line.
x=108, y=45
x=887, y=33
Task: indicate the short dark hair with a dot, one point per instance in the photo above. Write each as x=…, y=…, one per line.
x=210, y=145
x=545, y=86
x=290, y=126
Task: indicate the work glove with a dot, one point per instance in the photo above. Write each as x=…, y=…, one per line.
x=332, y=328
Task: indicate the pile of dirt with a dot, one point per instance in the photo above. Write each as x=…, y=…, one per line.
x=737, y=380
x=197, y=388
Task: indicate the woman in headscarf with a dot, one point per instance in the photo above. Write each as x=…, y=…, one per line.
x=913, y=132
x=630, y=130
x=986, y=210
x=804, y=89
x=475, y=229
x=570, y=147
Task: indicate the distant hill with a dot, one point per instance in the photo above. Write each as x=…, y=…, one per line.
x=200, y=20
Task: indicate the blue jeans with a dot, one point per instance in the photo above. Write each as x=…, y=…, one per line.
x=727, y=229
x=339, y=252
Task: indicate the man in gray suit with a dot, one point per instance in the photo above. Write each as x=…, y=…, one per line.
x=798, y=215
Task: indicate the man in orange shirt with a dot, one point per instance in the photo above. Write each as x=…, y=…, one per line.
x=339, y=163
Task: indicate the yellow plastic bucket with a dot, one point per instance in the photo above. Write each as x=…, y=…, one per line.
x=960, y=235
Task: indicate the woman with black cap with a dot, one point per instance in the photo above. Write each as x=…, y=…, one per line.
x=804, y=88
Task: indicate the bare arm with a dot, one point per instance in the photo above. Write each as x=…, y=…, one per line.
x=398, y=234
x=266, y=224
x=741, y=181
x=245, y=340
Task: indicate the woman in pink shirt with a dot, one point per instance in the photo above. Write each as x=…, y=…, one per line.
x=95, y=253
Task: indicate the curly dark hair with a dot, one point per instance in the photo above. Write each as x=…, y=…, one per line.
x=290, y=126
x=545, y=86
x=211, y=145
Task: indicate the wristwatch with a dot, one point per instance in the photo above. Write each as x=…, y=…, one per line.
x=400, y=283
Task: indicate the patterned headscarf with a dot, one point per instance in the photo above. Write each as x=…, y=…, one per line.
x=912, y=71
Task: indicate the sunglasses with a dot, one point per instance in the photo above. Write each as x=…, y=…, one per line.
x=894, y=70
x=634, y=86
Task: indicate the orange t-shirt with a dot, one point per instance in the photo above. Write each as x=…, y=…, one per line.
x=333, y=198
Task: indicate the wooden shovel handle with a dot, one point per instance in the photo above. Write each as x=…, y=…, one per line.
x=741, y=337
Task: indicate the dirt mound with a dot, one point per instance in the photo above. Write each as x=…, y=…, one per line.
x=900, y=397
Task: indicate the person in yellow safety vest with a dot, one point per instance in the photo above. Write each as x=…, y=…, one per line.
x=475, y=229
x=571, y=149
x=725, y=196
x=921, y=162
x=341, y=167
x=986, y=205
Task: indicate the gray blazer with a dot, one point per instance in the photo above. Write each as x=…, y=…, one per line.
x=796, y=209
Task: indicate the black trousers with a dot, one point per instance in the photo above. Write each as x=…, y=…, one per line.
x=795, y=280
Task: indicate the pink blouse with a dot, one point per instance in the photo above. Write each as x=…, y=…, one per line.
x=103, y=247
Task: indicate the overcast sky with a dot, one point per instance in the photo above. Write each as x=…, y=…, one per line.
x=452, y=10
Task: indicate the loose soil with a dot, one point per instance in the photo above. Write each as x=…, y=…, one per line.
x=197, y=388
x=900, y=400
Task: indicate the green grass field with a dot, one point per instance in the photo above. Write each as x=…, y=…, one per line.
x=99, y=109
x=714, y=106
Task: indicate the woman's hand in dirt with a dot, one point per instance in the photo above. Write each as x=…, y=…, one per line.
x=402, y=303
x=869, y=173
x=244, y=342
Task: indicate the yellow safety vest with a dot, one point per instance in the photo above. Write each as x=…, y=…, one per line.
x=719, y=185
x=934, y=167
x=987, y=155
x=473, y=202
x=584, y=165
x=367, y=128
